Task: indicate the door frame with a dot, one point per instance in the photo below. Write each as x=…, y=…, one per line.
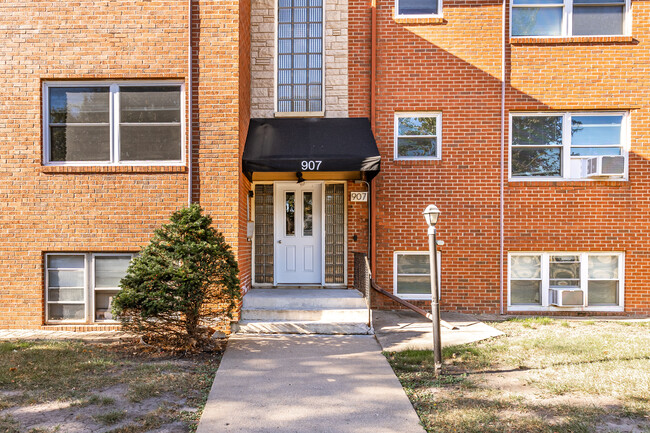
x=345, y=234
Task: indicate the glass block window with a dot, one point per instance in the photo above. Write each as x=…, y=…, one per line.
x=264, y=234
x=335, y=233
x=113, y=123
x=300, y=56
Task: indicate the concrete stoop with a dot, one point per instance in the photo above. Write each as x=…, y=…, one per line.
x=303, y=311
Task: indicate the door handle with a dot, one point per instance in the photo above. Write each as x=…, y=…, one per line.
x=279, y=241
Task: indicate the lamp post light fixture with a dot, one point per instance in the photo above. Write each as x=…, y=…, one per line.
x=431, y=214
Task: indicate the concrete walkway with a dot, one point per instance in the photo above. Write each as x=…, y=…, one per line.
x=306, y=384
x=42, y=334
x=401, y=330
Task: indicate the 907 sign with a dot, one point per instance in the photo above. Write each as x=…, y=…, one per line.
x=310, y=165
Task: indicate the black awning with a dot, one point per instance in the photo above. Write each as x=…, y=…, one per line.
x=310, y=144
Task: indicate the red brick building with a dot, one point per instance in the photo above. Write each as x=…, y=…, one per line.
x=527, y=123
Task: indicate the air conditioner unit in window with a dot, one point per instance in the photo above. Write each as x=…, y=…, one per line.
x=603, y=166
x=566, y=297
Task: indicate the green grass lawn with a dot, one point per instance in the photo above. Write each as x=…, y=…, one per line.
x=544, y=375
x=67, y=386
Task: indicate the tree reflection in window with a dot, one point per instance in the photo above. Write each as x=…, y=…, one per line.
x=417, y=137
x=537, y=146
x=290, y=204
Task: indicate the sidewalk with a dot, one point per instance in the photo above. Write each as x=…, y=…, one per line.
x=400, y=330
x=41, y=334
x=306, y=384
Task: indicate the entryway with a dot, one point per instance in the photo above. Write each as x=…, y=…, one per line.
x=300, y=234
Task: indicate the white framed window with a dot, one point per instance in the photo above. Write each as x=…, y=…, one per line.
x=566, y=281
x=79, y=287
x=113, y=123
x=412, y=275
x=560, y=146
x=418, y=8
x=418, y=135
x=300, y=60
x=563, y=18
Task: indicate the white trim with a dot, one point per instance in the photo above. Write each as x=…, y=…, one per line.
x=435, y=114
x=114, y=123
x=566, y=145
x=584, y=280
x=423, y=296
x=566, y=26
x=397, y=15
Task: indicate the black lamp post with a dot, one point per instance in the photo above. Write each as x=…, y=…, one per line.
x=431, y=214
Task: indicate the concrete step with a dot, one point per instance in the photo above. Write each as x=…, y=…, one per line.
x=300, y=327
x=302, y=299
x=328, y=314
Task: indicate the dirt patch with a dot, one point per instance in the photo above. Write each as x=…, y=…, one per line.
x=543, y=376
x=119, y=387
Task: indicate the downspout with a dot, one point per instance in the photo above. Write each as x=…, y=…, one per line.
x=503, y=153
x=373, y=60
x=189, y=102
x=373, y=78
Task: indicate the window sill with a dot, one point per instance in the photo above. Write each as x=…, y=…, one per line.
x=565, y=40
x=533, y=308
x=419, y=20
x=421, y=297
x=568, y=183
x=416, y=160
x=113, y=169
x=81, y=326
x=300, y=114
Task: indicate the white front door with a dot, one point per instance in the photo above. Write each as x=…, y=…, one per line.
x=298, y=233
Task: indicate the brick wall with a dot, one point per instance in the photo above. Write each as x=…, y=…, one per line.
x=109, y=209
x=453, y=65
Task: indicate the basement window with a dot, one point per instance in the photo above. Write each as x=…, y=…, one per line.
x=565, y=281
x=80, y=287
x=113, y=123
x=412, y=275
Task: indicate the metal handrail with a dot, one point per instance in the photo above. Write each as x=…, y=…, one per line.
x=408, y=305
x=362, y=280
x=364, y=283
